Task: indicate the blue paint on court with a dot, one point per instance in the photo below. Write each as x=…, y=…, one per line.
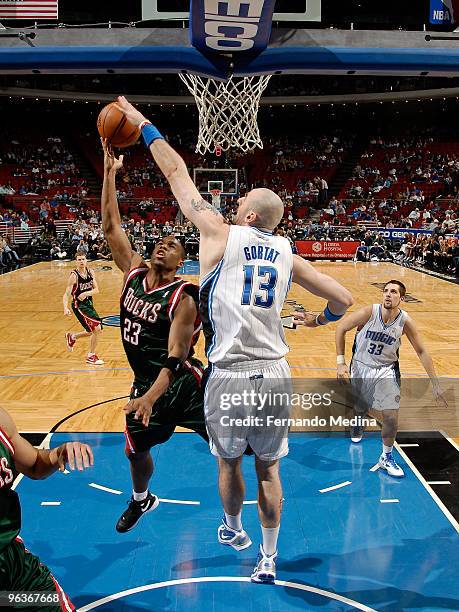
x=389, y=557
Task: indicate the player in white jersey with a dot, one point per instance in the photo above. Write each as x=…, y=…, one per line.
x=246, y=272
x=374, y=370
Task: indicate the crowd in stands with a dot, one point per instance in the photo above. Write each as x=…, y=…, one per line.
x=8, y=255
x=410, y=169
x=438, y=250
x=299, y=169
x=46, y=168
x=410, y=183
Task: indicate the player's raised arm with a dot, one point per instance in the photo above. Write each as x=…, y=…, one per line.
x=180, y=338
x=120, y=246
x=416, y=341
x=338, y=297
x=37, y=463
x=200, y=212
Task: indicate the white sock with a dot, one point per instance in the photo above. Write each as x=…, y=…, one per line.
x=234, y=522
x=387, y=449
x=270, y=535
x=140, y=496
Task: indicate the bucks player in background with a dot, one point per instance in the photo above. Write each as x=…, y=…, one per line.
x=81, y=286
x=20, y=570
x=159, y=325
x=245, y=275
x=374, y=369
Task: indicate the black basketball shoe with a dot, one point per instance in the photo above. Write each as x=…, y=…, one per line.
x=357, y=432
x=135, y=510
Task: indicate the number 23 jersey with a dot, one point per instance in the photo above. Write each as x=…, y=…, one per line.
x=378, y=344
x=146, y=316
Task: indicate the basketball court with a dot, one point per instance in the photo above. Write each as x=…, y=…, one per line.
x=352, y=537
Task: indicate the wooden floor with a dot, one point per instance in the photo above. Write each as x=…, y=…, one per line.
x=41, y=383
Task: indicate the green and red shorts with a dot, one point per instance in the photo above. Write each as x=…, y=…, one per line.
x=181, y=405
x=87, y=315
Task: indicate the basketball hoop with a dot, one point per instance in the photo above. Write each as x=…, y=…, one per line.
x=216, y=196
x=227, y=111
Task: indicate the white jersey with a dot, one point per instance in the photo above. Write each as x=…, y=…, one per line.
x=242, y=297
x=377, y=344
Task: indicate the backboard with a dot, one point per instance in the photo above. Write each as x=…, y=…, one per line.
x=286, y=10
x=225, y=179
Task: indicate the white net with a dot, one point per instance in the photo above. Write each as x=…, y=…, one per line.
x=227, y=111
x=216, y=193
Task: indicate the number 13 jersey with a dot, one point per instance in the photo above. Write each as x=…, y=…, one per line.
x=378, y=344
x=146, y=316
x=242, y=297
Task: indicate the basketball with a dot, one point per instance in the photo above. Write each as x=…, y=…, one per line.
x=114, y=126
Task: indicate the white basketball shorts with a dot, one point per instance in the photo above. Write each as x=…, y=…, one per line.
x=248, y=404
x=375, y=387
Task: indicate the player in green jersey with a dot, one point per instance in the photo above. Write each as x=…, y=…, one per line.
x=20, y=570
x=159, y=325
x=82, y=285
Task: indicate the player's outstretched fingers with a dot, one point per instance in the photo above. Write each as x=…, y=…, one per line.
x=342, y=374
x=76, y=447
x=70, y=455
x=132, y=114
x=439, y=397
x=298, y=317
x=87, y=456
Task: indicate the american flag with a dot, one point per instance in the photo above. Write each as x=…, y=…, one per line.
x=28, y=9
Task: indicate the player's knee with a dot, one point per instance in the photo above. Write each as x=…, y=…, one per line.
x=229, y=465
x=266, y=470
x=390, y=423
x=136, y=457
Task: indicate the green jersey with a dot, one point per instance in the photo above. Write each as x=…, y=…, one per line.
x=83, y=284
x=146, y=316
x=10, y=508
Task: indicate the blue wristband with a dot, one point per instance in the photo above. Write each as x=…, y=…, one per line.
x=330, y=316
x=150, y=133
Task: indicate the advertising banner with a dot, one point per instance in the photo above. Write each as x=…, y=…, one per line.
x=327, y=249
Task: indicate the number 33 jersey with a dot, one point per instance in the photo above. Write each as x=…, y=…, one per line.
x=146, y=317
x=242, y=297
x=378, y=344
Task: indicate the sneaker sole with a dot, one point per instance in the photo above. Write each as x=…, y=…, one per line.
x=235, y=546
x=383, y=467
x=264, y=579
x=154, y=506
